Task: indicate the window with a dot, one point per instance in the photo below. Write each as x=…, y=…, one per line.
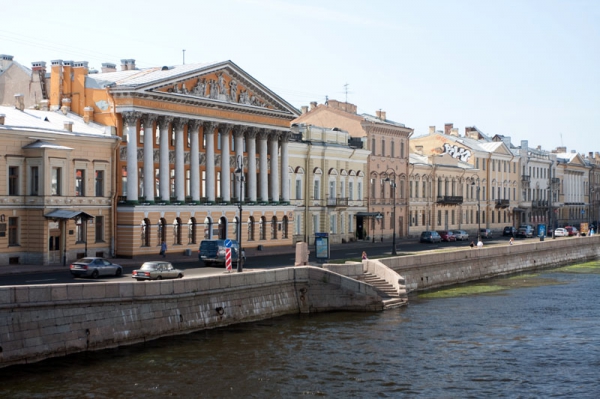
x=273, y=228
x=80, y=230
x=263, y=228
x=99, y=183
x=297, y=225
x=99, y=222
x=145, y=232
x=192, y=231
x=284, y=227
x=383, y=147
x=402, y=149
x=80, y=183
x=351, y=191
x=393, y=149
x=298, y=189
x=359, y=195
x=56, y=188
x=251, y=228
x=13, y=231
x=13, y=180
x=373, y=146
x=316, y=190
x=332, y=224
x=34, y=188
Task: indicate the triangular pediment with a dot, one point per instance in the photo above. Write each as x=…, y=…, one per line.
x=222, y=82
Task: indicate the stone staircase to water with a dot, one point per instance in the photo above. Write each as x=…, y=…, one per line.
x=391, y=298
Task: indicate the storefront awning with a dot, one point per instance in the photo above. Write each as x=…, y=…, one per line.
x=519, y=210
x=67, y=214
x=368, y=214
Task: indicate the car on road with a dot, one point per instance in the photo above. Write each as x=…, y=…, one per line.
x=571, y=230
x=212, y=252
x=525, y=231
x=156, y=270
x=447, y=236
x=561, y=232
x=95, y=267
x=485, y=233
x=430, y=236
x=460, y=235
x=509, y=231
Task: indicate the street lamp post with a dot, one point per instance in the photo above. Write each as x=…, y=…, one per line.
x=239, y=172
x=393, y=186
x=478, y=212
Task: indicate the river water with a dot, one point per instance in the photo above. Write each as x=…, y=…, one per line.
x=524, y=336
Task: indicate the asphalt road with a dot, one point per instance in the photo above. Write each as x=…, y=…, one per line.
x=192, y=267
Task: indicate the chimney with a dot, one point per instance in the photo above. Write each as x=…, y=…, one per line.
x=383, y=118
x=2, y=118
x=130, y=64
x=313, y=105
x=454, y=132
x=108, y=67
x=561, y=149
x=88, y=114
x=591, y=154
x=378, y=114
x=19, y=102
x=124, y=65
x=419, y=149
x=44, y=105
x=38, y=66
x=431, y=129
x=80, y=64
x=66, y=105
x=304, y=109
x=68, y=126
x=448, y=128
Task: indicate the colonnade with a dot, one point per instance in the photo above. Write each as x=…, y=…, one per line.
x=270, y=187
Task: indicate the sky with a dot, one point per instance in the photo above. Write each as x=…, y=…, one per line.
x=528, y=69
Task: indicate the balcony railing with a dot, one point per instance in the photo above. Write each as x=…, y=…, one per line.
x=334, y=202
x=502, y=203
x=539, y=204
x=449, y=200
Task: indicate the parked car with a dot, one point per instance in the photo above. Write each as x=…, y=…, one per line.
x=430, y=236
x=561, y=232
x=156, y=271
x=212, y=252
x=525, y=231
x=446, y=235
x=509, y=231
x=95, y=267
x=485, y=233
x=460, y=235
x=571, y=230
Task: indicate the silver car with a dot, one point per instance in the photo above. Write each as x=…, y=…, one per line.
x=95, y=267
x=460, y=235
x=156, y=270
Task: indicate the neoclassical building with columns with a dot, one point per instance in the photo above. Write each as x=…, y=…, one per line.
x=196, y=141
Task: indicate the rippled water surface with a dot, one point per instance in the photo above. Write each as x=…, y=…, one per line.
x=525, y=336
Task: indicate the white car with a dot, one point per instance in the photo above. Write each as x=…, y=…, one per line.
x=560, y=232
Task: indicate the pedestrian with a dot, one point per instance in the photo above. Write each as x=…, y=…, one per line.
x=472, y=244
x=364, y=256
x=510, y=242
x=163, y=249
x=479, y=244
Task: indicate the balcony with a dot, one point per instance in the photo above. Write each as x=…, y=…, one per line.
x=337, y=202
x=449, y=200
x=539, y=204
x=502, y=203
x=525, y=181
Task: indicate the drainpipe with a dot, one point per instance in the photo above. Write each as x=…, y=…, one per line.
x=113, y=189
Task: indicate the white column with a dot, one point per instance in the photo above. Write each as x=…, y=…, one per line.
x=209, y=136
x=263, y=167
x=225, y=130
x=194, y=160
x=179, y=159
x=238, y=135
x=130, y=119
x=149, y=189
x=163, y=167
x=285, y=175
x=251, y=151
x=274, y=152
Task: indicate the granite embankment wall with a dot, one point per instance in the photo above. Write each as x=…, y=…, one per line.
x=437, y=269
x=38, y=322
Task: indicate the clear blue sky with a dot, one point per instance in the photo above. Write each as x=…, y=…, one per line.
x=528, y=69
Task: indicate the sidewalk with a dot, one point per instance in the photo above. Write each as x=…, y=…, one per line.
x=179, y=257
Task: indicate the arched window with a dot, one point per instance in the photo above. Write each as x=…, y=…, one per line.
x=192, y=231
x=383, y=147
x=284, y=227
x=222, y=228
x=162, y=231
x=263, y=228
x=207, y=228
x=250, y=228
x=177, y=231
x=236, y=222
x=145, y=233
x=274, y=228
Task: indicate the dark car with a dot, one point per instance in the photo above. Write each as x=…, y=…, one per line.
x=212, y=252
x=447, y=236
x=485, y=233
x=430, y=236
x=525, y=231
x=509, y=231
x=94, y=268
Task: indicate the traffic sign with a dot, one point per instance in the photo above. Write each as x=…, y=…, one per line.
x=227, y=243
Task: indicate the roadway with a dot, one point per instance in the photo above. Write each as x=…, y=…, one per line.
x=192, y=267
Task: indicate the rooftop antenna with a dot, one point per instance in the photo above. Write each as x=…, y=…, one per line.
x=346, y=91
x=561, y=142
x=183, y=56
